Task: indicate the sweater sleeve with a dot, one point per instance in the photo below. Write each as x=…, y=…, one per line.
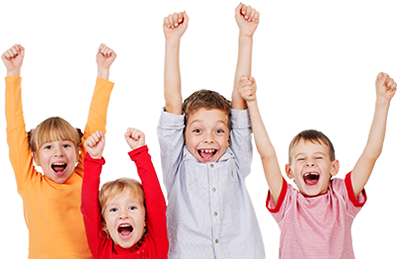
x=90, y=203
x=154, y=201
x=18, y=144
x=96, y=116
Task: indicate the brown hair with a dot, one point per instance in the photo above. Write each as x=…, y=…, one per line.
x=111, y=189
x=313, y=136
x=54, y=128
x=206, y=99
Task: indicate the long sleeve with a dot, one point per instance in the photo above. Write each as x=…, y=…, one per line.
x=90, y=203
x=96, y=116
x=19, y=150
x=154, y=201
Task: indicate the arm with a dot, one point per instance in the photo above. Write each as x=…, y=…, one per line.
x=269, y=160
x=174, y=27
x=247, y=19
x=19, y=149
x=99, y=103
x=154, y=200
x=90, y=190
x=385, y=90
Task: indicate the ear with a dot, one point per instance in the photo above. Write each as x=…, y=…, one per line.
x=36, y=158
x=335, y=167
x=289, y=171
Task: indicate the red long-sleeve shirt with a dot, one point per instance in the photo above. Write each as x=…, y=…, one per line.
x=155, y=243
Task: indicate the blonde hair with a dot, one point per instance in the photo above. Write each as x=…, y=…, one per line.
x=54, y=128
x=113, y=188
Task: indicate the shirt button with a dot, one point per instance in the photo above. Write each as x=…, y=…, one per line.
x=216, y=241
x=213, y=189
x=211, y=165
x=185, y=156
x=215, y=214
x=230, y=153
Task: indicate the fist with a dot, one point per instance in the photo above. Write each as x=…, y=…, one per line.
x=247, y=88
x=175, y=25
x=134, y=138
x=13, y=57
x=95, y=144
x=385, y=86
x=105, y=56
x=247, y=19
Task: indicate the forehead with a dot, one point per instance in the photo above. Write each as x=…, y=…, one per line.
x=208, y=116
x=126, y=196
x=308, y=147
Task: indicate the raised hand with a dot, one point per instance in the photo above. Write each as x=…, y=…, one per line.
x=247, y=88
x=13, y=59
x=135, y=138
x=385, y=86
x=105, y=58
x=247, y=19
x=95, y=144
x=175, y=25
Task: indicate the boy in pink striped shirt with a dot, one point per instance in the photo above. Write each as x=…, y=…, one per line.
x=316, y=220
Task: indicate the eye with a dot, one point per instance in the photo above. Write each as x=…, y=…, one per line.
x=318, y=157
x=113, y=210
x=47, y=147
x=66, y=145
x=132, y=208
x=220, y=131
x=196, y=131
x=300, y=159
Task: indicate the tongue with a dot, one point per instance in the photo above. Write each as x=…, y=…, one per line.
x=206, y=155
x=125, y=232
x=311, y=180
x=58, y=168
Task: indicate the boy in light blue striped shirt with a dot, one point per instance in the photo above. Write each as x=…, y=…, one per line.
x=206, y=155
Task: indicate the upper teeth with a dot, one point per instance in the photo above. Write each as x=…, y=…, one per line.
x=307, y=174
x=208, y=150
x=125, y=225
x=58, y=164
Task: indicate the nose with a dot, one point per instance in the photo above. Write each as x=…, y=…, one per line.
x=208, y=138
x=309, y=164
x=123, y=215
x=58, y=152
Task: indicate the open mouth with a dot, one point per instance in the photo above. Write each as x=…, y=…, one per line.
x=207, y=154
x=59, y=168
x=311, y=178
x=125, y=230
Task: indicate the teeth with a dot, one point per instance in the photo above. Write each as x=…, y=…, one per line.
x=208, y=150
x=60, y=164
x=124, y=226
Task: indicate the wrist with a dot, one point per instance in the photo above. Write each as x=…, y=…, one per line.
x=174, y=42
x=16, y=72
x=103, y=73
x=381, y=101
x=245, y=37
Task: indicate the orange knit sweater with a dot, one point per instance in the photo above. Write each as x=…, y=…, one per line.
x=52, y=211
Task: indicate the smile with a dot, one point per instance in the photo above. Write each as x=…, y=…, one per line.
x=59, y=168
x=311, y=178
x=125, y=231
x=207, y=154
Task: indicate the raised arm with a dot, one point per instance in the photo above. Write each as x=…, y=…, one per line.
x=155, y=203
x=247, y=19
x=273, y=175
x=385, y=90
x=105, y=58
x=174, y=27
x=90, y=189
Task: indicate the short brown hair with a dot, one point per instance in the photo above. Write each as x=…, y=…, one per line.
x=313, y=136
x=206, y=99
x=54, y=128
x=111, y=189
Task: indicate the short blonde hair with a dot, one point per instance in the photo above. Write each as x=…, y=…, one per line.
x=113, y=188
x=54, y=128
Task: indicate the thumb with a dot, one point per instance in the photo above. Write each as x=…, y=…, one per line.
x=381, y=79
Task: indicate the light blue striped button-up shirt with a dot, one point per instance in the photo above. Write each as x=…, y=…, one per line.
x=209, y=214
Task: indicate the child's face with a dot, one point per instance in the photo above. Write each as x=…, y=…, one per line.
x=125, y=219
x=311, y=167
x=58, y=159
x=207, y=134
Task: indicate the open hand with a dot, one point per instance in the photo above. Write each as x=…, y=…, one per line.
x=13, y=59
x=135, y=138
x=247, y=19
x=247, y=88
x=385, y=86
x=95, y=144
x=175, y=25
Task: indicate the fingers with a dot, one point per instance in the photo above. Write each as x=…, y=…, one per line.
x=390, y=85
x=381, y=79
x=106, y=51
x=13, y=52
x=95, y=138
x=174, y=20
x=135, y=134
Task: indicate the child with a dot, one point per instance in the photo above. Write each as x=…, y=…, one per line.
x=316, y=221
x=206, y=155
x=52, y=201
x=124, y=220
